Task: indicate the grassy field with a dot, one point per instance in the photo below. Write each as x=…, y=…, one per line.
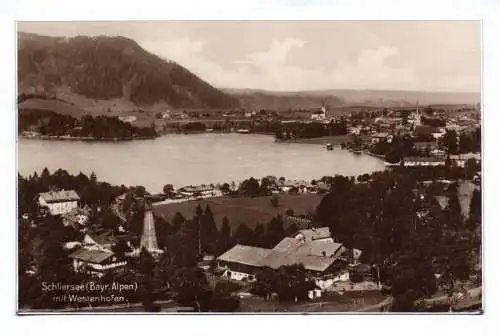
x=250, y=211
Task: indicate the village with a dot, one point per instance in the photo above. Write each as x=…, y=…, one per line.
x=321, y=267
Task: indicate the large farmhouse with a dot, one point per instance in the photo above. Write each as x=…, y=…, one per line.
x=59, y=202
x=315, y=249
x=95, y=260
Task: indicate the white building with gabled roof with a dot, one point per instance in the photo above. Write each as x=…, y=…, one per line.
x=59, y=202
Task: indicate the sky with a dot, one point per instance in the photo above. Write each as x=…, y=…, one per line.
x=306, y=55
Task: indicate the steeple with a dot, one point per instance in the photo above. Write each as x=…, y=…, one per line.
x=148, y=239
x=418, y=116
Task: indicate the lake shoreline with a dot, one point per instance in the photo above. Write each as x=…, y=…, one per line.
x=195, y=159
x=334, y=140
x=86, y=139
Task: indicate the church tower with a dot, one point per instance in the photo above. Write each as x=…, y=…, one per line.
x=148, y=238
x=418, y=116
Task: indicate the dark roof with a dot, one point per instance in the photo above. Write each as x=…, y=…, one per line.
x=424, y=144
x=92, y=256
x=426, y=129
x=60, y=196
x=104, y=238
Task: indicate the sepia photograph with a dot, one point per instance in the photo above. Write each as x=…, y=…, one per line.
x=249, y=167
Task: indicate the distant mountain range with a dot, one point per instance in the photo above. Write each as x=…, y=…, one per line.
x=103, y=74
x=250, y=98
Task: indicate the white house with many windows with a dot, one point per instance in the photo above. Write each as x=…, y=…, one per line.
x=59, y=202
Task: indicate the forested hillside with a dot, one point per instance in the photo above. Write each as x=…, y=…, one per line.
x=111, y=67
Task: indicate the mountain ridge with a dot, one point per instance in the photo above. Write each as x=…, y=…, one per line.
x=104, y=67
x=367, y=97
x=105, y=74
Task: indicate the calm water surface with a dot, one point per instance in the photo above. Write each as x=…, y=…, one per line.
x=191, y=159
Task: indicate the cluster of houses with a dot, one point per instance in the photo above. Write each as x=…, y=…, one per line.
x=427, y=152
x=192, y=192
x=94, y=253
x=325, y=261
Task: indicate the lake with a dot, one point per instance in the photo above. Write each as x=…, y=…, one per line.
x=191, y=159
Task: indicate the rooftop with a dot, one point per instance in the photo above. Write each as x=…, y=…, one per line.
x=103, y=238
x=314, y=233
x=315, y=252
x=196, y=188
x=276, y=259
x=91, y=255
x=247, y=255
x=60, y=196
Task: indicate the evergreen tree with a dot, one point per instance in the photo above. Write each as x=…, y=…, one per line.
x=474, y=220
x=177, y=222
x=198, y=211
x=224, y=236
x=450, y=141
x=93, y=178
x=208, y=231
x=259, y=234
x=453, y=217
x=243, y=235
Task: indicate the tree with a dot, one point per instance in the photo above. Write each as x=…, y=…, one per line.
x=243, y=235
x=470, y=168
x=208, y=231
x=259, y=235
x=250, y=188
x=453, y=217
x=93, y=178
x=177, y=221
x=191, y=288
x=289, y=282
x=146, y=263
x=450, y=141
x=120, y=248
x=265, y=283
x=394, y=155
x=225, y=188
x=109, y=220
x=412, y=279
x=275, y=231
x=465, y=143
x=198, y=211
x=224, y=236
x=184, y=246
x=223, y=299
x=474, y=220
x=265, y=186
x=168, y=190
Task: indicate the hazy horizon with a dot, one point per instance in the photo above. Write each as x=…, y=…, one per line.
x=290, y=56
